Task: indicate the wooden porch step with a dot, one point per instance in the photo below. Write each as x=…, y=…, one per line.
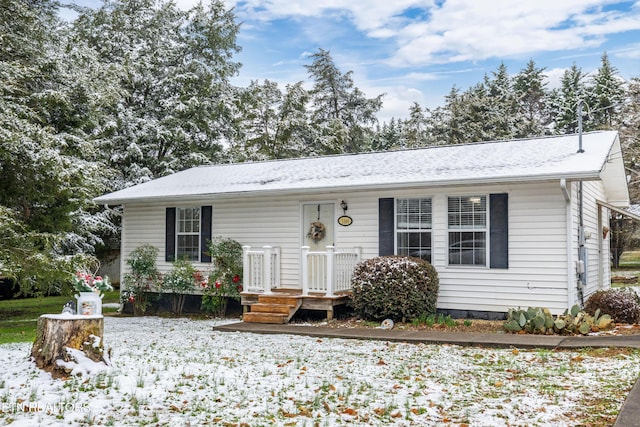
x=253, y=317
x=262, y=307
x=273, y=308
x=281, y=299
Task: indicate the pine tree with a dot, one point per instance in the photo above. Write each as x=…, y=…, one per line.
x=606, y=96
x=45, y=186
x=175, y=101
x=415, y=129
x=564, y=102
x=341, y=113
x=531, y=95
x=447, y=121
x=501, y=108
x=274, y=124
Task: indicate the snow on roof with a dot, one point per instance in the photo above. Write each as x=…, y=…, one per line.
x=504, y=161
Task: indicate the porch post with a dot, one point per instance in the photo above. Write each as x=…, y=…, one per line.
x=330, y=272
x=304, y=269
x=266, y=265
x=246, y=268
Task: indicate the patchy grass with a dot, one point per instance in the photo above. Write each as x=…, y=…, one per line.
x=177, y=371
x=630, y=259
x=18, y=317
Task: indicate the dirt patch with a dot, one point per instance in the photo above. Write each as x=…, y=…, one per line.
x=474, y=325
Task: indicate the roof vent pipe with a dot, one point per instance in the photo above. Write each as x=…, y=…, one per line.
x=580, y=149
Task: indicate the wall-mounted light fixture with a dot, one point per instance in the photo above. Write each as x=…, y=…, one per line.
x=344, y=220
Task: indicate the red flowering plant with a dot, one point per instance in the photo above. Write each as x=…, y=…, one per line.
x=225, y=279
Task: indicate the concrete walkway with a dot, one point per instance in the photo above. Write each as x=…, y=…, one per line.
x=629, y=415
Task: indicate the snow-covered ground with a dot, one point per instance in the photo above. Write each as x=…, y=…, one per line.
x=179, y=372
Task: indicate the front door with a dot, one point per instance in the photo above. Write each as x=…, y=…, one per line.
x=317, y=225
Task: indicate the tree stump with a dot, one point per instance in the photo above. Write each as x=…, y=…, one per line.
x=68, y=344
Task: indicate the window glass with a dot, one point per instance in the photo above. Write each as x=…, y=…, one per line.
x=467, y=222
x=413, y=227
x=188, y=234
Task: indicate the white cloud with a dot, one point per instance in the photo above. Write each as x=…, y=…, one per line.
x=463, y=30
x=554, y=77
x=629, y=52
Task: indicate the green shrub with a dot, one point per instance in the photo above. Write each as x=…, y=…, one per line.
x=181, y=280
x=622, y=304
x=138, y=285
x=394, y=287
x=225, y=280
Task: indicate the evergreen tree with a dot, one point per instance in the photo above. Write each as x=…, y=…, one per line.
x=389, y=137
x=606, y=96
x=173, y=69
x=531, y=95
x=341, y=113
x=630, y=137
x=45, y=184
x=564, y=102
x=415, y=129
x=447, y=121
x=274, y=124
x=501, y=108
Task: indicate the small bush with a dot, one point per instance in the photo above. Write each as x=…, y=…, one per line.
x=623, y=304
x=225, y=280
x=394, y=287
x=144, y=276
x=181, y=280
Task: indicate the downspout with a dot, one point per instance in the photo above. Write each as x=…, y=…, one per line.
x=581, y=248
x=566, y=192
x=580, y=267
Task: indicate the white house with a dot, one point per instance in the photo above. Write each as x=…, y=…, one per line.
x=506, y=224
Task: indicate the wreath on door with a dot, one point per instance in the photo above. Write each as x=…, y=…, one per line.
x=317, y=231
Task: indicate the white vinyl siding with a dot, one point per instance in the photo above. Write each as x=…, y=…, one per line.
x=538, y=260
x=597, y=250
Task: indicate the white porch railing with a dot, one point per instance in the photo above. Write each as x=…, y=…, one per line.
x=328, y=271
x=261, y=269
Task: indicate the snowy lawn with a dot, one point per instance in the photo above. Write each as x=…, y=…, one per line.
x=179, y=372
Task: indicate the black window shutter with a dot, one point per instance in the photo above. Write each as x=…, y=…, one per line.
x=385, y=227
x=205, y=232
x=499, y=230
x=170, y=235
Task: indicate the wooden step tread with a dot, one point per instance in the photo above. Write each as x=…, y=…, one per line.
x=278, y=299
x=272, y=308
x=274, y=318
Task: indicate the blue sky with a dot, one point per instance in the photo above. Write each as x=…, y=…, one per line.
x=417, y=50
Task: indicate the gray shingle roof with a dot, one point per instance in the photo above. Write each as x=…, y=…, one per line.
x=503, y=161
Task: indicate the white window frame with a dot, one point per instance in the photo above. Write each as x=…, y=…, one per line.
x=407, y=230
x=472, y=228
x=194, y=222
